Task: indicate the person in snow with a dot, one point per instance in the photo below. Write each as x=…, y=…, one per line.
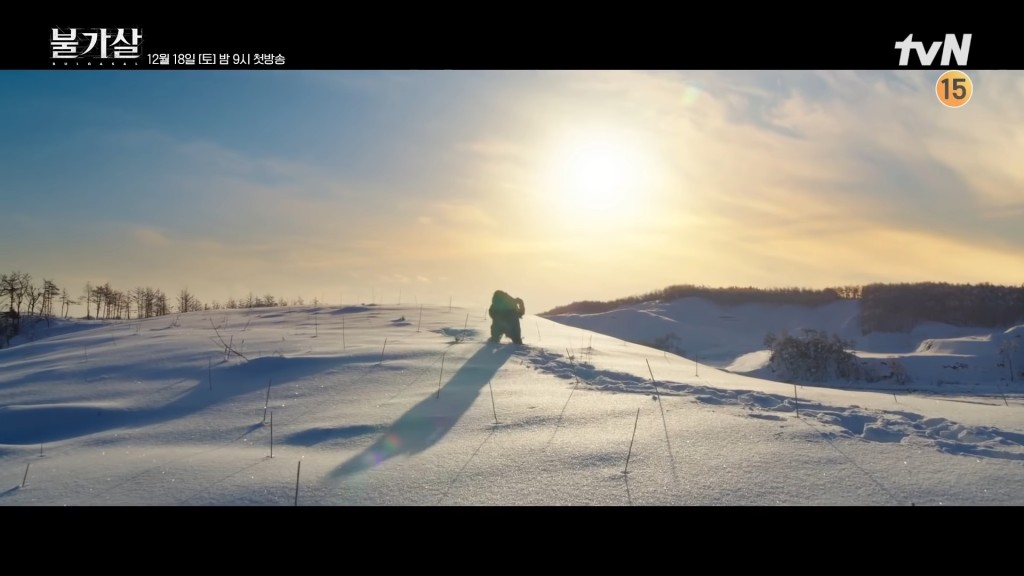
x=505, y=312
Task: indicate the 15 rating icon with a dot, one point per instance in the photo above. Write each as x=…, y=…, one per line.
x=954, y=88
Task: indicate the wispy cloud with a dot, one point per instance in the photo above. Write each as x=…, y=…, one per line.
x=845, y=149
x=446, y=178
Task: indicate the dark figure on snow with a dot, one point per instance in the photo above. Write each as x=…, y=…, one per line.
x=505, y=312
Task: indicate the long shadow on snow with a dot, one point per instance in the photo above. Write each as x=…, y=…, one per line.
x=427, y=423
x=34, y=424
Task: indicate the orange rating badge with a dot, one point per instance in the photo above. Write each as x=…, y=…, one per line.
x=954, y=88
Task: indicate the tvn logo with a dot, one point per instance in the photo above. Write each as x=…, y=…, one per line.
x=949, y=47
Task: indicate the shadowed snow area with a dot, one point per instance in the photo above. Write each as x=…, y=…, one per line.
x=409, y=405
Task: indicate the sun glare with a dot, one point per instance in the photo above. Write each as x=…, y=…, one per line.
x=600, y=172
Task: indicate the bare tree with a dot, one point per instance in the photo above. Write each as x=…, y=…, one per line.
x=66, y=302
x=24, y=285
x=87, y=292
x=50, y=292
x=184, y=300
x=33, y=294
x=10, y=321
x=121, y=305
x=111, y=300
x=10, y=286
x=134, y=297
x=187, y=302
x=98, y=299
x=160, y=305
x=149, y=302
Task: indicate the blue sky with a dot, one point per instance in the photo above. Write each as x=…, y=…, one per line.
x=554, y=185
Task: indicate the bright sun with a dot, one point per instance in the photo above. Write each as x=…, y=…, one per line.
x=599, y=171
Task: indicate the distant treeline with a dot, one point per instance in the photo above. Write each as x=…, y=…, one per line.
x=730, y=296
x=22, y=295
x=900, y=307
x=884, y=307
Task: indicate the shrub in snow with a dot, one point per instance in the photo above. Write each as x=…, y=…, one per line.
x=813, y=357
x=899, y=371
x=669, y=343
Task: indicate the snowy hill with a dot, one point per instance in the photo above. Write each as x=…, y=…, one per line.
x=732, y=338
x=404, y=405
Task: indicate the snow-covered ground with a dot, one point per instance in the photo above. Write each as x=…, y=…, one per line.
x=935, y=356
x=403, y=405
